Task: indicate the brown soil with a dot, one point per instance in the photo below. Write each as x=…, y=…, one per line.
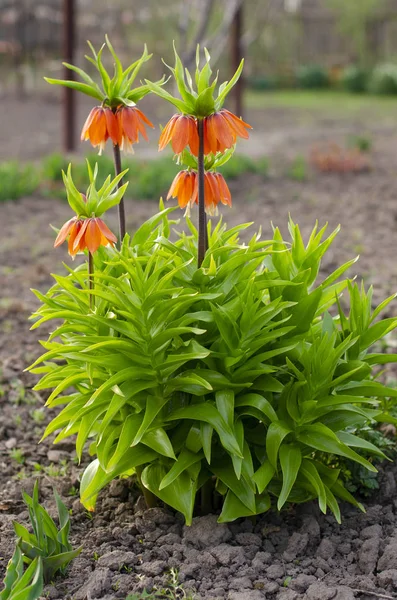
x=296, y=555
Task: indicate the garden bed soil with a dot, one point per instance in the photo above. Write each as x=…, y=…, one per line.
x=298, y=554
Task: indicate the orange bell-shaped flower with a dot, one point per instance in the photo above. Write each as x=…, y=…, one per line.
x=221, y=130
x=181, y=131
x=85, y=234
x=131, y=122
x=185, y=189
x=101, y=124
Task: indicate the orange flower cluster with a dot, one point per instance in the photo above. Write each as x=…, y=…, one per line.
x=221, y=130
x=185, y=189
x=85, y=234
x=122, y=126
x=181, y=131
x=335, y=159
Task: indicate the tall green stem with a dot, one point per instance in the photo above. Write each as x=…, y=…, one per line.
x=150, y=498
x=91, y=278
x=202, y=217
x=207, y=493
x=117, y=168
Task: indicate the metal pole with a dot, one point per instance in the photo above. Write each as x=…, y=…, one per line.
x=69, y=98
x=237, y=55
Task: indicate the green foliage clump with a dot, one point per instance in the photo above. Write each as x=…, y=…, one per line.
x=383, y=80
x=240, y=164
x=17, y=180
x=355, y=79
x=53, y=165
x=241, y=378
x=363, y=143
x=173, y=590
x=312, y=77
x=298, y=170
x=358, y=480
x=20, y=584
x=47, y=543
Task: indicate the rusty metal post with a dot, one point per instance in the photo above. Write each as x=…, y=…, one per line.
x=237, y=55
x=69, y=98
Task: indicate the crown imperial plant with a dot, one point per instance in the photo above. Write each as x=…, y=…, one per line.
x=117, y=118
x=216, y=362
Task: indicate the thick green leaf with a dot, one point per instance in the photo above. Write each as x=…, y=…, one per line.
x=179, y=494
x=30, y=585
x=79, y=87
x=208, y=413
x=263, y=476
x=185, y=460
x=369, y=388
x=128, y=432
x=225, y=88
x=224, y=400
x=233, y=508
x=339, y=490
x=158, y=440
x=333, y=504
x=309, y=471
x=206, y=440
x=356, y=442
x=322, y=438
x=224, y=470
x=290, y=461
x=376, y=332
x=94, y=477
x=60, y=561
x=259, y=402
x=154, y=405
x=276, y=433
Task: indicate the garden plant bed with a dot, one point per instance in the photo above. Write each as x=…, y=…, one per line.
x=298, y=554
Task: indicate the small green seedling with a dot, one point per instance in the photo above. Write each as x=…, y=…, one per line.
x=20, y=585
x=46, y=541
x=17, y=455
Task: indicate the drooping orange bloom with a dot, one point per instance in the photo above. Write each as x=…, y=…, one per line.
x=85, y=234
x=181, y=131
x=101, y=124
x=215, y=191
x=131, y=122
x=223, y=189
x=185, y=189
x=221, y=130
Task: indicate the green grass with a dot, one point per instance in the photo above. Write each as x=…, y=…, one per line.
x=298, y=169
x=17, y=180
x=327, y=101
x=172, y=590
x=148, y=179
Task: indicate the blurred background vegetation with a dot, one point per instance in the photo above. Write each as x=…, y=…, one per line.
x=309, y=44
x=307, y=63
